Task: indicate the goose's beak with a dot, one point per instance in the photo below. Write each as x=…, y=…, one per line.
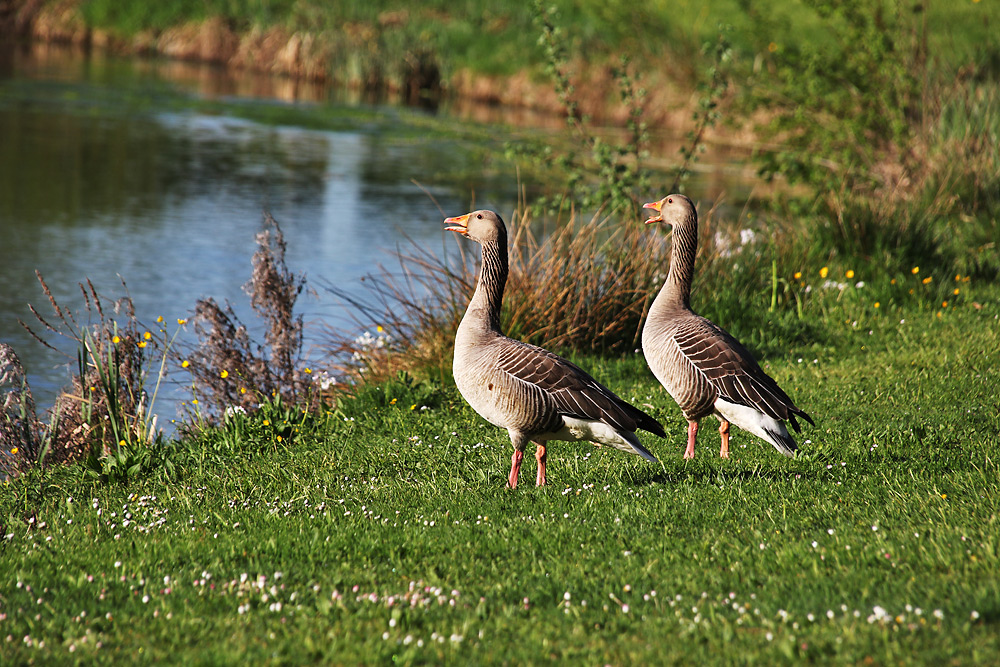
x=458, y=224
x=655, y=205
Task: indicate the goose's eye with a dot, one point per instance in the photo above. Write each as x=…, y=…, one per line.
x=670, y=201
x=480, y=216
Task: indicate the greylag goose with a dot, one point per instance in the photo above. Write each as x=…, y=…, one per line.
x=701, y=366
x=534, y=394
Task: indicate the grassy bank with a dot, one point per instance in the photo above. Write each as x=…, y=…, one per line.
x=289, y=522
x=379, y=529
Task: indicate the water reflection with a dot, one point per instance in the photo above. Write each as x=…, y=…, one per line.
x=97, y=181
x=114, y=168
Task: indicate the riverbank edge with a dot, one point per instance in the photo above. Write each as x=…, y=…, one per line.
x=346, y=59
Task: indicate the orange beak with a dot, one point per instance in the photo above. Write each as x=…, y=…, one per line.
x=655, y=205
x=458, y=224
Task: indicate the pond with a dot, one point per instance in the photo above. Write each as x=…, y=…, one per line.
x=157, y=173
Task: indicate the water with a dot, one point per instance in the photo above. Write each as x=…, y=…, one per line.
x=111, y=169
x=157, y=172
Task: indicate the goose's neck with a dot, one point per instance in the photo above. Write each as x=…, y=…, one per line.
x=485, y=304
x=676, y=292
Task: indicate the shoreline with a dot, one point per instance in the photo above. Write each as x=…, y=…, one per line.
x=351, y=59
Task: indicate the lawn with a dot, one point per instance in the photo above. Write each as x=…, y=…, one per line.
x=380, y=530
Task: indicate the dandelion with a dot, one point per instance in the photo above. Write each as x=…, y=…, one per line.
x=944, y=304
x=224, y=374
x=194, y=401
x=797, y=275
x=185, y=363
x=147, y=335
x=956, y=291
x=877, y=304
x=160, y=319
x=116, y=340
x=13, y=450
x=892, y=282
x=243, y=390
x=915, y=270
x=413, y=407
x=824, y=271
x=850, y=273
x=266, y=423
x=392, y=402
x=927, y=280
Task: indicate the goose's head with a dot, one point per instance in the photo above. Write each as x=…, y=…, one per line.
x=673, y=210
x=482, y=226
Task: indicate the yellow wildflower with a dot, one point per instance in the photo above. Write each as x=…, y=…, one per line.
x=413, y=407
x=379, y=328
x=116, y=340
x=798, y=274
x=142, y=343
x=915, y=270
x=824, y=271
x=850, y=273
x=392, y=402
x=13, y=450
x=266, y=423
x=279, y=438
x=147, y=335
x=956, y=291
x=243, y=390
x=958, y=277
x=224, y=374
x=772, y=47
x=892, y=282
x=877, y=304
x=308, y=370
x=185, y=363
x=122, y=443
x=944, y=304
x=194, y=401
x=160, y=318
x=927, y=280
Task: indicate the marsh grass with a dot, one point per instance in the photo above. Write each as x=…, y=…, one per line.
x=104, y=417
x=229, y=367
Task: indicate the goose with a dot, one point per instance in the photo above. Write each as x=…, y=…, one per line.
x=703, y=368
x=534, y=394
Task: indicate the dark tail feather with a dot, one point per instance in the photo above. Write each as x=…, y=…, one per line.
x=783, y=442
x=795, y=423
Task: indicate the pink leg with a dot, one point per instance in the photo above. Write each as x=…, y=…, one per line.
x=692, y=436
x=515, y=468
x=724, y=432
x=540, y=454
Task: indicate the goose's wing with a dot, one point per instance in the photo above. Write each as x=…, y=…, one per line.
x=571, y=389
x=733, y=371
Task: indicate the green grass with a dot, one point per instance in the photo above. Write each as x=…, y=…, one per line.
x=380, y=530
x=499, y=37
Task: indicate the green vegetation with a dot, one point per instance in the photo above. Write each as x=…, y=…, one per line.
x=380, y=528
x=367, y=520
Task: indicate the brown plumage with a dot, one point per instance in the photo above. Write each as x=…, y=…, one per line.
x=702, y=367
x=534, y=394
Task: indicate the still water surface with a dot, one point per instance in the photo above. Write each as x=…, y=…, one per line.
x=110, y=171
x=157, y=173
